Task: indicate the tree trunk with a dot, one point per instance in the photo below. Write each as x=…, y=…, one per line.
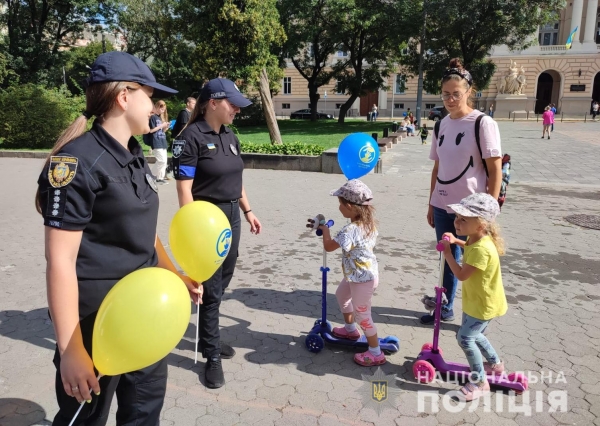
x=314, y=97
x=268, y=109
x=344, y=108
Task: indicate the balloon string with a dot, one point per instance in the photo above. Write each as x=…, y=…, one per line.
x=81, y=406
x=197, y=322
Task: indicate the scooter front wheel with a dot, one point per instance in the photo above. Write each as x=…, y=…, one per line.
x=424, y=372
x=314, y=343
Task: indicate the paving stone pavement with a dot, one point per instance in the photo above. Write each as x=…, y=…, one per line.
x=551, y=274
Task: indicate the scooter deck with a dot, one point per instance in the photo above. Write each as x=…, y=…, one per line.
x=463, y=370
x=389, y=344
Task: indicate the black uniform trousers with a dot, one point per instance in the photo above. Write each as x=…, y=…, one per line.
x=140, y=394
x=215, y=286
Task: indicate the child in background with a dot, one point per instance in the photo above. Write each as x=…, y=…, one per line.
x=483, y=293
x=424, y=132
x=359, y=265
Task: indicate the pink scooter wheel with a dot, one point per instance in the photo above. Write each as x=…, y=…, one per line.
x=518, y=378
x=429, y=347
x=424, y=372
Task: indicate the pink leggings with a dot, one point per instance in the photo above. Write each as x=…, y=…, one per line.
x=360, y=294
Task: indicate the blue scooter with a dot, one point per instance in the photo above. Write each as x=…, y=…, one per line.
x=322, y=330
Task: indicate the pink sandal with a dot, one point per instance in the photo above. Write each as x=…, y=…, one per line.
x=367, y=359
x=342, y=333
x=472, y=391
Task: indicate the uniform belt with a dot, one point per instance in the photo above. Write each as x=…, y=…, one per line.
x=210, y=200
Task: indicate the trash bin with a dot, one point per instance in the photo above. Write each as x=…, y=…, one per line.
x=369, y=116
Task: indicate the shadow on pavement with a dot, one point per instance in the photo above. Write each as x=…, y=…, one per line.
x=21, y=412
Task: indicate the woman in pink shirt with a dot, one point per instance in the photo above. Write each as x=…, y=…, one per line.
x=548, y=120
x=459, y=170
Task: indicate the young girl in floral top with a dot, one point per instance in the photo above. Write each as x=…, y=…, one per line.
x=354, y=294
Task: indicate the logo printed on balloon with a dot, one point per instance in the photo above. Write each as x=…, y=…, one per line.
x=224, y=242
x=366, y=154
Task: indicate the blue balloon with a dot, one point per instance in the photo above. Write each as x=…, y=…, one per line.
x=357, y=155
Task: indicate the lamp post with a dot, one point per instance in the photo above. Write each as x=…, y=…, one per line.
x=421, y=52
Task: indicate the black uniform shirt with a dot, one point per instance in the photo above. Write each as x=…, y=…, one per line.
x=96, y=186
x=211, y=159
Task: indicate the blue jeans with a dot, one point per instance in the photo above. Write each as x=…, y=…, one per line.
x=444, y=222
x=472, y=341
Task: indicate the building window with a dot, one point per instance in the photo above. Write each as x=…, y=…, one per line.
x=285, y=106
x=341, y=53
x=429, y=106
x=398, y=106
x=287, y=85
x=400, y=84
x=338, y=91
x=548, y=34
x=338, y=106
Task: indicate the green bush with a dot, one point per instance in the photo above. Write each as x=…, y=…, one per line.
x=295, y=148
x=33, y=117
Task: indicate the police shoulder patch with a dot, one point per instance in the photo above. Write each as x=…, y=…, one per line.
x=178, y=145
x=62, y=170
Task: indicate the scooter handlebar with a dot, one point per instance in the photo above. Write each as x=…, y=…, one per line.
x=318, y=221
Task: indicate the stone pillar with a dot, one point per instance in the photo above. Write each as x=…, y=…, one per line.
x=589, y=37
x=576, y=23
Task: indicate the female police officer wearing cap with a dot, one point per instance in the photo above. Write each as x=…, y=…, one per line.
x=207, y=166
x=100, y=209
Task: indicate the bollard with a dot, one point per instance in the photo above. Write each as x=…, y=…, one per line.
x=374, y=136
x=561, y=116
x=379, y=166
x=537, y=119
x=527, y=115
x=514, y=115
x=585, y=117
x=386, y=132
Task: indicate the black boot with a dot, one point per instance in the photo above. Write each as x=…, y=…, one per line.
x=213, y=372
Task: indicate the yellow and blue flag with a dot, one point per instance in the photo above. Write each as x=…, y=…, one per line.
x=570, y=39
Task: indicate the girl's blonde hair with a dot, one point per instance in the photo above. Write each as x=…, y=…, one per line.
x=164, y=117
x=365, y=216
x=492, y=229
x=100, y=98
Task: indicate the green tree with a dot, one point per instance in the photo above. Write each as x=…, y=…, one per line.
x=372, y=32
x=36, y=30
x=310, y=43
x=469, y=30
x=152, y=31
x=236, y=39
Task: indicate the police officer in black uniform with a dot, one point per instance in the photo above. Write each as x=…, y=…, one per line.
x=207, y=166
x=100, y=209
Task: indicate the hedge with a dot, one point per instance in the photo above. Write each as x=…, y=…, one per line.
x=32, y=117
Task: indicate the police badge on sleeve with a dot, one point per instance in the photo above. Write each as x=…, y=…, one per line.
x=178, y=146
x=62, y=170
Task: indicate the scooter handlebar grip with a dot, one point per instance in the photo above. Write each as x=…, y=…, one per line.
x=440, y=246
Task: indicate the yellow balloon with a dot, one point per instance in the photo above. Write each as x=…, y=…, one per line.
x=141, y=320
x=200, y=237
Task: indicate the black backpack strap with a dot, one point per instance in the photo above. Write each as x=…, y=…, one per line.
x=477, y=126
x=436, y=128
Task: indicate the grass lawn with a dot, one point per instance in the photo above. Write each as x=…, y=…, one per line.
x=326, y=133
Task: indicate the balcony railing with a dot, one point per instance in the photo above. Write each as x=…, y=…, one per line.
x=554, y=48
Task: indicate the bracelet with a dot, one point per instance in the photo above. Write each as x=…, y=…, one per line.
x=247, y=211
